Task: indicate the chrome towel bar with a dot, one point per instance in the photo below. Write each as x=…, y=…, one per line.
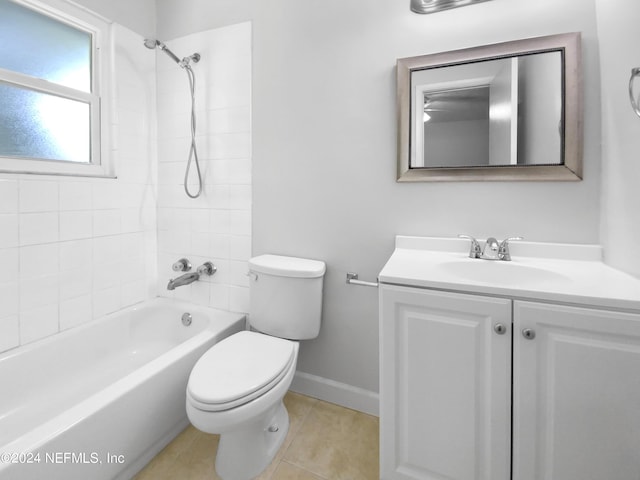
x=352, y=279
x=635, y=72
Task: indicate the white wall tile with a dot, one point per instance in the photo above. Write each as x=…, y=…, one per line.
x=38, y=292
x=36, y=228
x=219, y=246
x=75, y=311
x=240, y=247
x=106, y=301
x=134, y=292
x=75, y=196
x=200, y=244
x=132, y=245
x=238, y=299
x=199, y=293
x=9, y=332
x=36, y=259
x=106, y=276
x=76, y=225
x=200, y=220
x=219, y=296
x=76, y=254
x=132, y=220
x=9, y=300
x=240, y=222
x=9, y=259
x=216, y=226
x=240, y=172
x=38, y=323
x=229, y=145
x=240, y=197
x=75, y=283
x=50, y=226
x=131, y=270
x=9, y=236
x=8, y=196
x=220, y=221
x=106, y=222
x=107, y=250
x=228, y=120
x=38, y=196
x=238, y=273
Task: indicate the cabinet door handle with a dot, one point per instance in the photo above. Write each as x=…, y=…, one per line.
x=529, y=333
x=500, y=329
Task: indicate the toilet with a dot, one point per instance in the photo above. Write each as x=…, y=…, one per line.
x=236, y=388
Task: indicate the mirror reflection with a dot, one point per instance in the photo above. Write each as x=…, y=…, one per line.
x=495, y=112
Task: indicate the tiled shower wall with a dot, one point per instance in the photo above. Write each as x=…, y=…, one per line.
x=74, y=249
x=217, y=225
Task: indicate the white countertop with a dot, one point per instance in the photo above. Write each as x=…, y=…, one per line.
x=553, y=272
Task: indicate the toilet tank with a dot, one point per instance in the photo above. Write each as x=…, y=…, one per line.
x=286, y=296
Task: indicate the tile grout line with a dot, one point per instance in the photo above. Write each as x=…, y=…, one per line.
x=293, y=438
x=315, y=474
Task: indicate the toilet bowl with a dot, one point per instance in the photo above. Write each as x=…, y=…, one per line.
x=236, y=388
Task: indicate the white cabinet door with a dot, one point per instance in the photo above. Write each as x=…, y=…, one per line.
x=576, y=394
x=445, y=396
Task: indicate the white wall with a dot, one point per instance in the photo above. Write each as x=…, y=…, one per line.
x=139, y=15
x=324, y=151
x=74, y=249
x=619, y=50
x=216, y=226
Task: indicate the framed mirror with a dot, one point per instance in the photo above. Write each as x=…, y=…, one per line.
x=508, y=111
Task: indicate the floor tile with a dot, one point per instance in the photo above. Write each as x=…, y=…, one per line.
x=324, y=442
x=286, y=471
x=337, y=443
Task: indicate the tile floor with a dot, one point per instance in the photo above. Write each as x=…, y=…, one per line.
x=325, y=442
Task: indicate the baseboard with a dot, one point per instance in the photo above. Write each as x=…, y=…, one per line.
x=335, y=392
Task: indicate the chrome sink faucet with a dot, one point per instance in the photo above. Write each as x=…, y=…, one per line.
x=493, y=250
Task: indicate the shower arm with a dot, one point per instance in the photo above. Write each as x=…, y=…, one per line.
x=151, y=44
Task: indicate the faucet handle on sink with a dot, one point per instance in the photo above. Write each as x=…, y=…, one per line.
x=503, y=251
x=475, y=251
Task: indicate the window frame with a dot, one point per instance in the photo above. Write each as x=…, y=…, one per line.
x=99, y=99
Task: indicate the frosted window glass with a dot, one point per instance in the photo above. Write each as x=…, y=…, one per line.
x=42, y=47
x=38, y=125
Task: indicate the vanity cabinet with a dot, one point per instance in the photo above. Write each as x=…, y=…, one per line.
x=576, y=393
x=445, y=392
x=450, y=400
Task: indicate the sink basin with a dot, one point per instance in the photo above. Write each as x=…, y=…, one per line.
x=499, y=272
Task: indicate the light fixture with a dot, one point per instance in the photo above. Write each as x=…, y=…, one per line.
x=432, y=6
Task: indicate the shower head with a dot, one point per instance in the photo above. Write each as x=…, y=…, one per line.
x=150, y=43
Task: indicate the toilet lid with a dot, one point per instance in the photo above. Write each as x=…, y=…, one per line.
x=238, y=367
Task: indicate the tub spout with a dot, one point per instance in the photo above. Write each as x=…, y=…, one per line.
x=185, y=279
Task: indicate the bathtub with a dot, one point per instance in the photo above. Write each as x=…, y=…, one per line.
x=99, y=401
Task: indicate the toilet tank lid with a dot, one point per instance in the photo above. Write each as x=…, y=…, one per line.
x=287, y=266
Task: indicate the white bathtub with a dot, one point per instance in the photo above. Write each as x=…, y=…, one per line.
x=99, y=401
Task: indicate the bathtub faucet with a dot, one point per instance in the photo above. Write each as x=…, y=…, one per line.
x=207, y=268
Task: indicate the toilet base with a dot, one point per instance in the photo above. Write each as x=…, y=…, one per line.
x=243, y=454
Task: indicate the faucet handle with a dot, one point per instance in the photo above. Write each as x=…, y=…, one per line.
x=475, y=251
x=182, y=265
x=207, y=268
x=503, y=252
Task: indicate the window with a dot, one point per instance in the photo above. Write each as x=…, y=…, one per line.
x=53, y=89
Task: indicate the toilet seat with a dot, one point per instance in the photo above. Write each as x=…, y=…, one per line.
x=239, y=369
